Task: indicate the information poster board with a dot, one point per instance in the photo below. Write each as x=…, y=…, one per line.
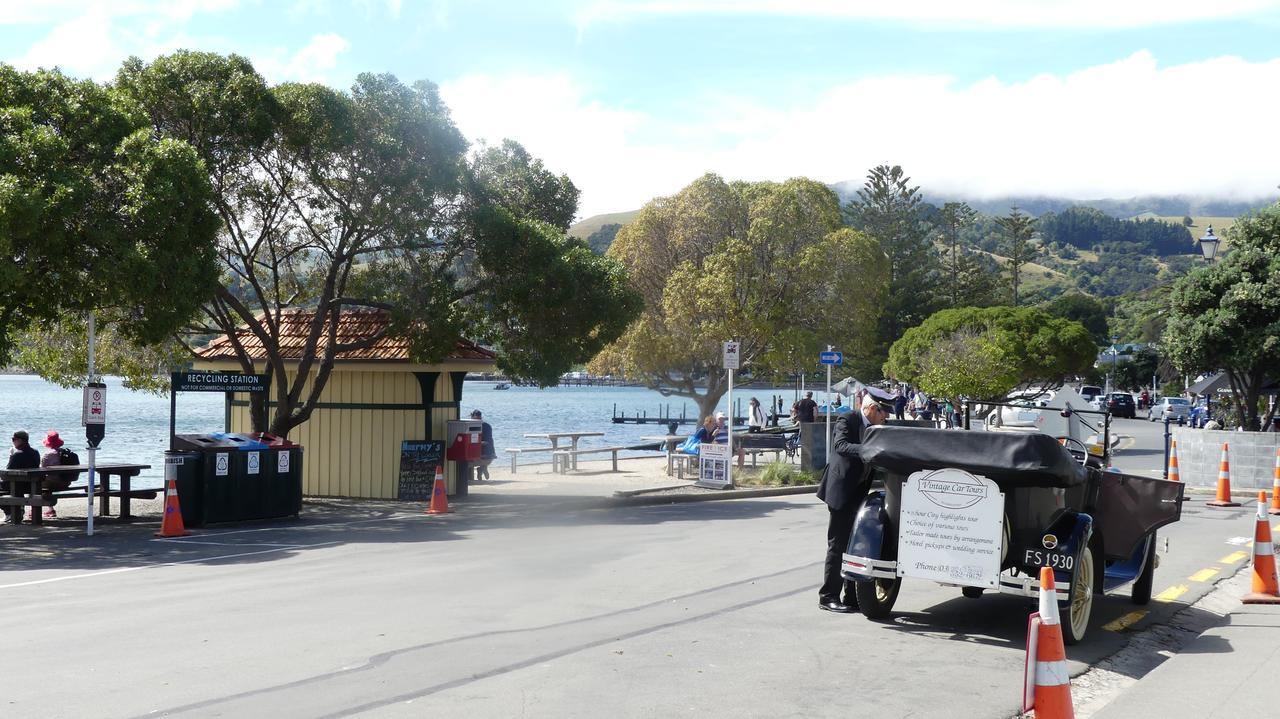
x=713, y=466
x=418, y=461
x=952, y=525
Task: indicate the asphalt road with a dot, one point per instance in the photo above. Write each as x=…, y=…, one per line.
x=518, y=606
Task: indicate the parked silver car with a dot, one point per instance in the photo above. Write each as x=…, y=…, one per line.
x=1175, y=408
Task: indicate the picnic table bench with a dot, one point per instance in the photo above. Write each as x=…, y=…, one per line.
x=562, y=460
x=516, y=452
x=26, y=488
x=554, y=438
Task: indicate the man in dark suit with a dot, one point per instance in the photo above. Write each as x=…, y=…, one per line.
x=843, y=489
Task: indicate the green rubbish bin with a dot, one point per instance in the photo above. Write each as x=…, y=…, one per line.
x=188, y=475
x=239, y=477
x=271, y=485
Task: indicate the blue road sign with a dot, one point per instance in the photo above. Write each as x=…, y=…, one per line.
x=836, y=358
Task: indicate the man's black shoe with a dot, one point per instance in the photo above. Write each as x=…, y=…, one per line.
x=851, y=603
x=832, y=605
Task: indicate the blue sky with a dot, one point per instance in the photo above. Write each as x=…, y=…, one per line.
x=635, y=99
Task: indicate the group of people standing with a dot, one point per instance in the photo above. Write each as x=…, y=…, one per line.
x=23, y=456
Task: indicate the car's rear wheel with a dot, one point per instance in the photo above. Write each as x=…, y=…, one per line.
x=971, y=592
x=1141, y=594
x=877, y=596
x=1075, y=614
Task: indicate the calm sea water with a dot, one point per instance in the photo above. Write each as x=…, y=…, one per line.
x=138, y=423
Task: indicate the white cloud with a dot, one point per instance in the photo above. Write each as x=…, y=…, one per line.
x=82, y=46
x=1118, y=130
x=313, y=62
x=1091, y=14
x=21, y=12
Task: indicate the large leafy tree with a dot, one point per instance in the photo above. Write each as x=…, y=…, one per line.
x=1084, y=309
x=1227, y=316
x=1021, y=346
x=764, y=263
x=335, y=201
x=889, y=209
x=96, y=215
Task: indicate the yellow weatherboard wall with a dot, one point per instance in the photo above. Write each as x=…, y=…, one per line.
x=351, y=442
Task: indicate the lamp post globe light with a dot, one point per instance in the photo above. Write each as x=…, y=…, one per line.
x=1209, y=244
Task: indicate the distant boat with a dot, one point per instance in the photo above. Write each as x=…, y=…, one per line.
x=502, y=385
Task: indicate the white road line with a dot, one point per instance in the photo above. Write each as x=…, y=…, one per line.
x=121, y=570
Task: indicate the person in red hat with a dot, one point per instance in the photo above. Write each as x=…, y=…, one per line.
x=55, y=456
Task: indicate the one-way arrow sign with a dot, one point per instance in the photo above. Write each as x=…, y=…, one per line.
x=836, y=358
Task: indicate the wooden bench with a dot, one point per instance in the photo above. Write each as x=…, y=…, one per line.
x=25, y=487
x=754, y=452
x=563, y=459
x=515, y=452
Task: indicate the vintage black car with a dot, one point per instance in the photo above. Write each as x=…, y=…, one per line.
x=1096, y=528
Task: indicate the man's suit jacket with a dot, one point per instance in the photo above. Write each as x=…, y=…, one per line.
x=843, y=473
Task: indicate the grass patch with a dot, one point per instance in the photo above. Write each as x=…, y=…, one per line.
x=775, y=474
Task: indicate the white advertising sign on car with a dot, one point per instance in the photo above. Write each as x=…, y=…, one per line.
x=952, y=528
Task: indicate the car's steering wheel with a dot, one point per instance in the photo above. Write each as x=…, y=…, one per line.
x=1079, y=452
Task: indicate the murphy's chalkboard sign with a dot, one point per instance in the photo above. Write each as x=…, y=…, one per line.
x=418, y=461
x=219, y=382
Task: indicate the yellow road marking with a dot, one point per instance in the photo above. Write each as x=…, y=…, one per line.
x=1172, y=593
x=1203, y=575
x=1126, y=621
x=1233, y=557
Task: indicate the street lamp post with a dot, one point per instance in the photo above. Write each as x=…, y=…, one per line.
x=1114, y=351
x=1209, y=244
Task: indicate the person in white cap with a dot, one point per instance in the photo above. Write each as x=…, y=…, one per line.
x=843, y=489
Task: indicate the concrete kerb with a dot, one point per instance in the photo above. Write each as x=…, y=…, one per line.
x=652, y=496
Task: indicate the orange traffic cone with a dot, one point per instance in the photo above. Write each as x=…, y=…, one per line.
x=1265, y=588
x=1224, y=483
x=171, y=525
x=1173, y=461
x=1050, y=698
x=1275, y=487
x=439, y=501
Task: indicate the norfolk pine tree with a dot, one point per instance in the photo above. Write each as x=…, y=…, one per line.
x=1018, y=229
x=888, y=209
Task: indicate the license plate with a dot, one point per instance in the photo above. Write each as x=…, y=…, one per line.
x=1053, y=560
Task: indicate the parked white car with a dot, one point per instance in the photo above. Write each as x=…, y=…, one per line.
x=1174, y=408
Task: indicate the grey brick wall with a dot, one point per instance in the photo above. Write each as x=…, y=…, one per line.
x=1252, y=456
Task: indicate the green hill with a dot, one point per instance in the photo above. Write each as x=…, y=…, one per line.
x=584, y=228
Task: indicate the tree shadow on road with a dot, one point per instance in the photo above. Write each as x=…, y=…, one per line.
x=30, y=554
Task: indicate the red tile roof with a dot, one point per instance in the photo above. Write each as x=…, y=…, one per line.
x=352, y=325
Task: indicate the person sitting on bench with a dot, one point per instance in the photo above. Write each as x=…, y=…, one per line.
x=56, y=456
x=22, y=456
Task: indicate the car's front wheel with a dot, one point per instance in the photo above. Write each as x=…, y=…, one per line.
x=877, y=596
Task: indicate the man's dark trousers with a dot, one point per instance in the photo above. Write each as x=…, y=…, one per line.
x=839, y=525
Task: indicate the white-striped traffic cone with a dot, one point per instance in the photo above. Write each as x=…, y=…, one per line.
x=1052, y=693
x=1224, y=483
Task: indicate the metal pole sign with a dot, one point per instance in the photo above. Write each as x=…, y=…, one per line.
x=830, y=359
x=732, y=361
x=94, y=418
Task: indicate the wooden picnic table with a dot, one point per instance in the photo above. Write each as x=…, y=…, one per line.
x=669, y=443
x=26, y=487
x=555, y=438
